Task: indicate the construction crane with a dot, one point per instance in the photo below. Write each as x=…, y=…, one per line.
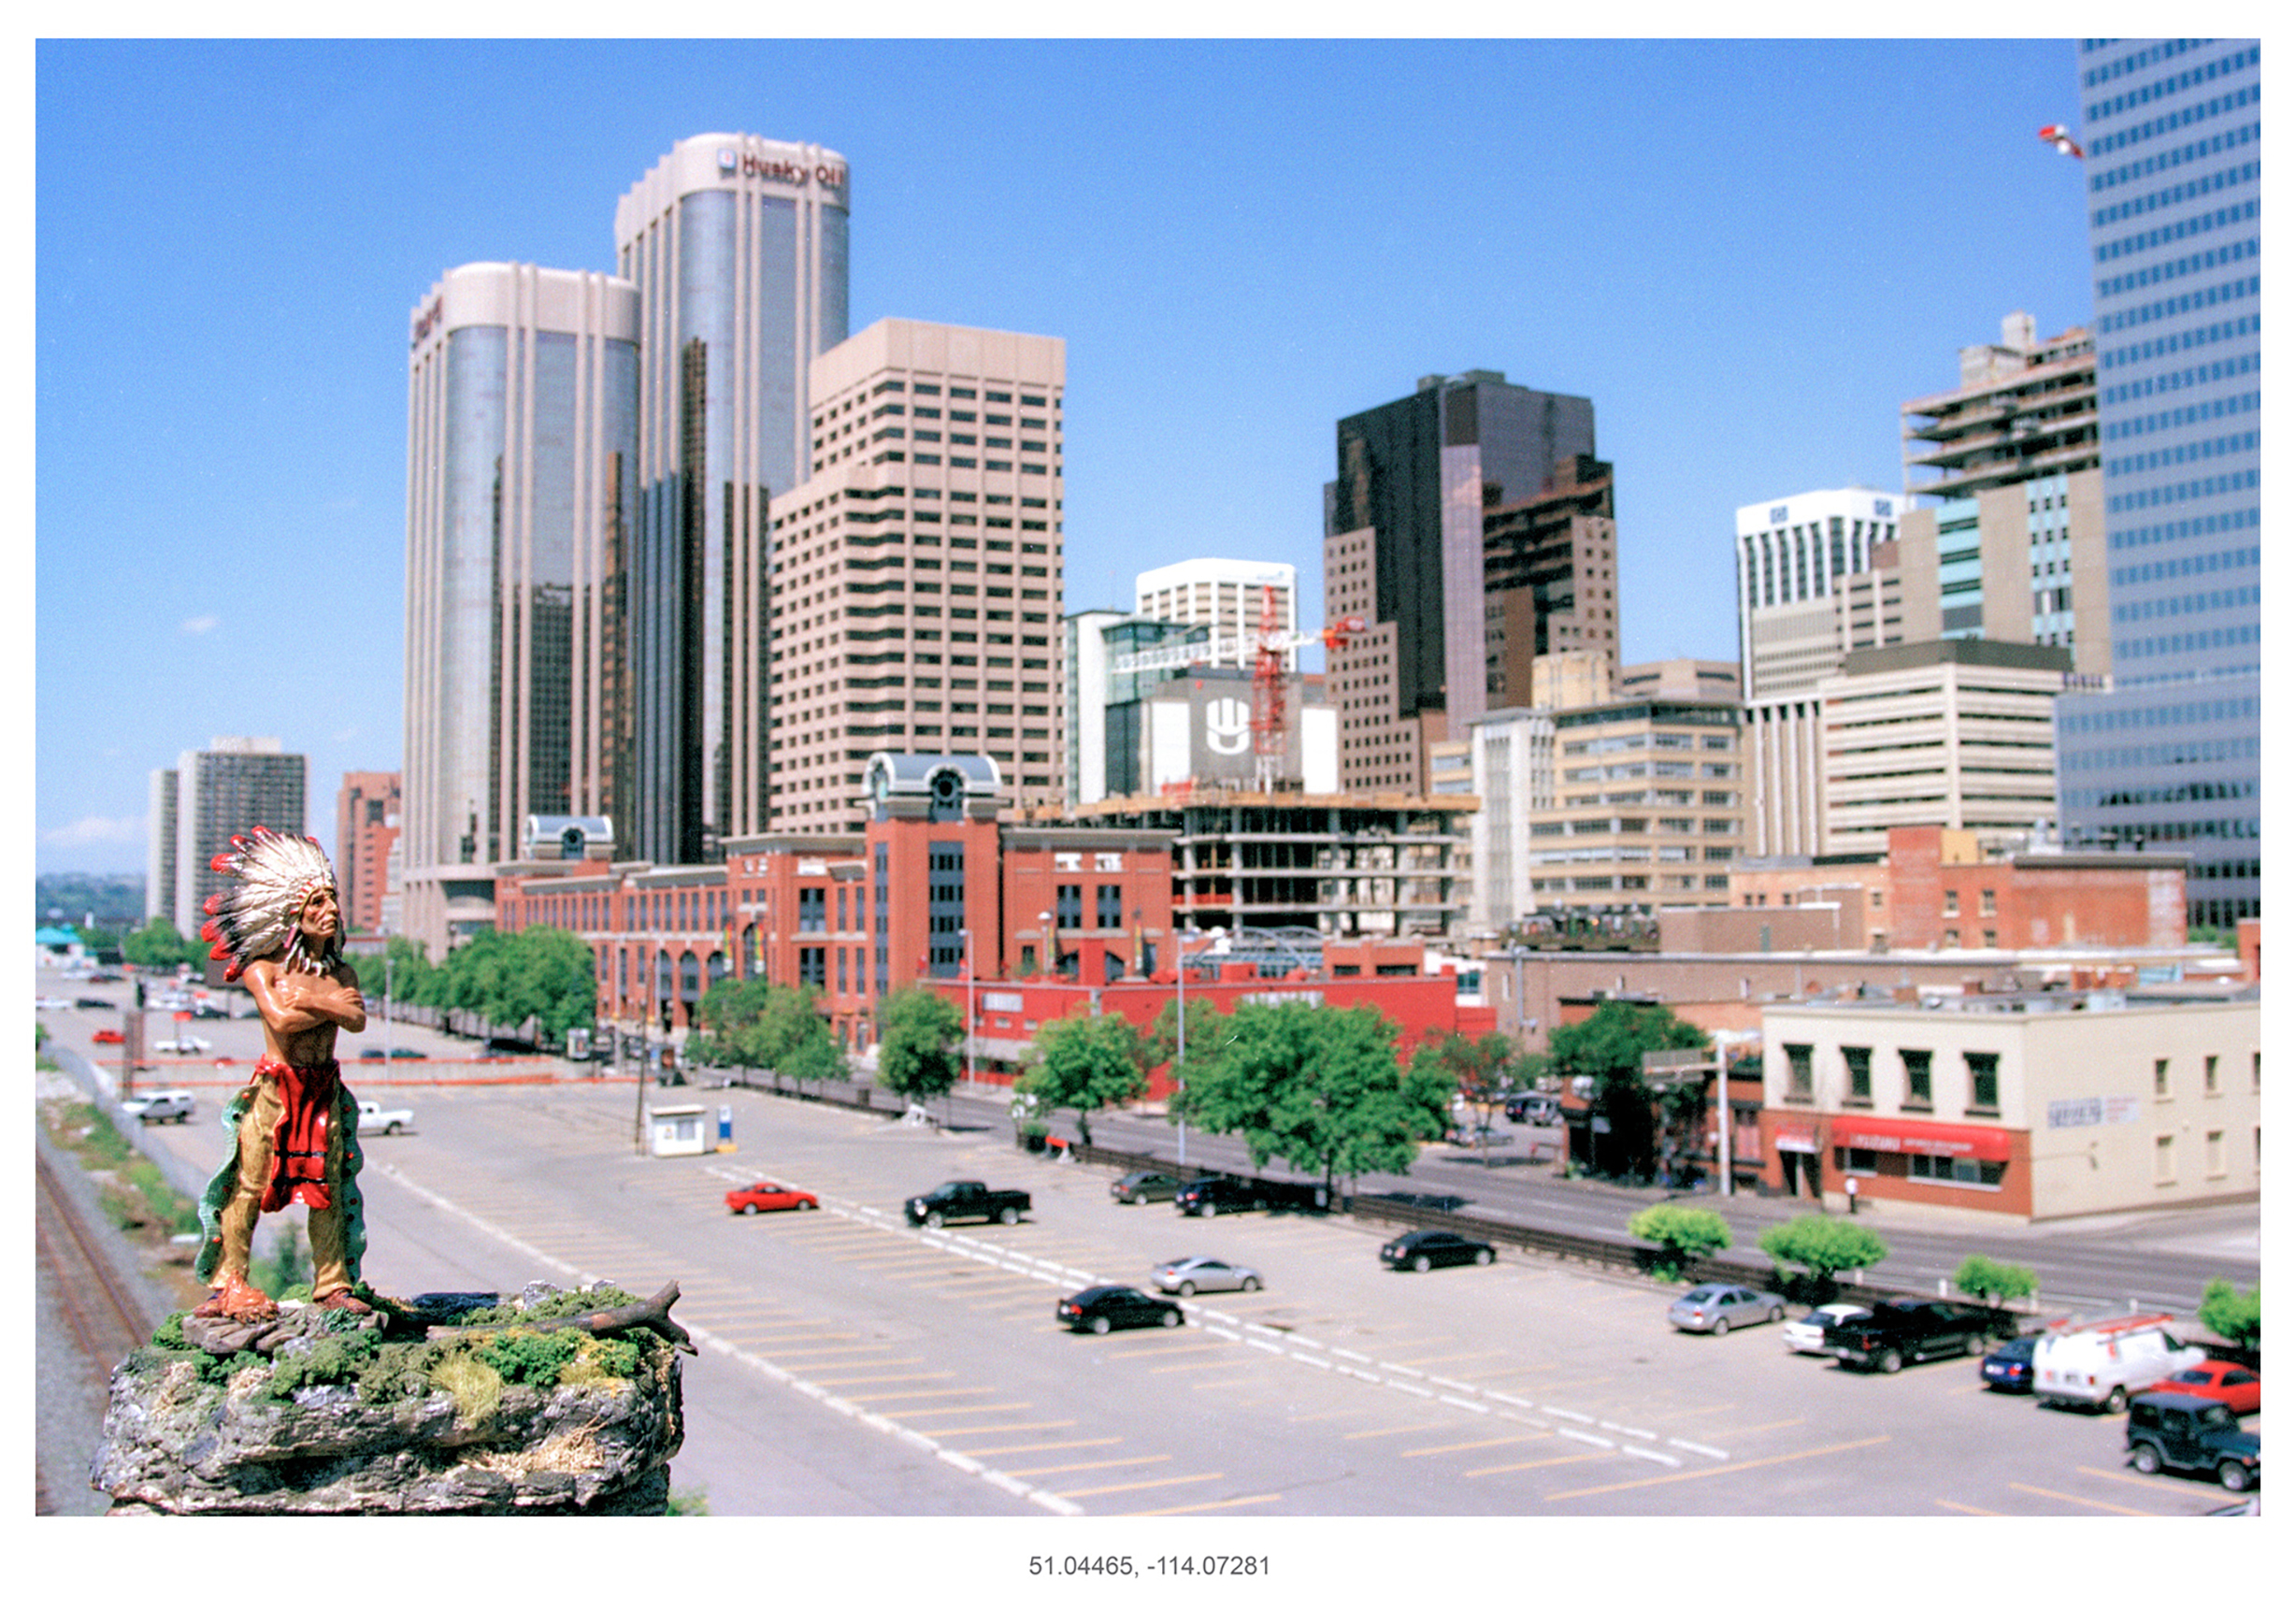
x=1270, y=727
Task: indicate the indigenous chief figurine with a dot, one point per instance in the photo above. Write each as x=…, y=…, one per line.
x=280, y=928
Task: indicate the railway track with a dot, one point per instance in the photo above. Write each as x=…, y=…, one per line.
x=94, y=1299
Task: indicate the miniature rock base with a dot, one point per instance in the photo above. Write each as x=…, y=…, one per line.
x=174, y=1444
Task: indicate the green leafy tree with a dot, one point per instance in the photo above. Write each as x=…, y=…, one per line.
x=544, y=975
x=1981, y=1277
x=917, y=1054
x=159, y=945
x=1609, y=1046
x=753, y=1024
x=1318, y=1088
x=1207, y=1035
x=1087, y=1063
x=2234, y=1314
x=1823, y=1244
x=1681, y=1234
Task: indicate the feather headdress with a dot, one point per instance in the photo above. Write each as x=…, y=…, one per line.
x=276, y=875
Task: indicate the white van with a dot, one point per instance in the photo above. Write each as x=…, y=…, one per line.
x=159, y=1105
x=2097, y=1365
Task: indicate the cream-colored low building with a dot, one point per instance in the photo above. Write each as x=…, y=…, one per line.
x=2029, y=1106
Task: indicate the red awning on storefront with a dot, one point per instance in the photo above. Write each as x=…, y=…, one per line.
x=1922, y=1138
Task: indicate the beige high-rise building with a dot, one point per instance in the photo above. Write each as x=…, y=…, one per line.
x=1227, y=595
x=915, y=576
x=1954, y=733
x=223, y=791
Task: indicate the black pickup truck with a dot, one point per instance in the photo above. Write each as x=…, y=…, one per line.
x=966, y=1198
x=1901, y=1329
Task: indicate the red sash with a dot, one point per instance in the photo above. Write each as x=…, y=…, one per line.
x=299, y=1143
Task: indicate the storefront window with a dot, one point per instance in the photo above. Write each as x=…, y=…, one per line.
x=1956, y=1169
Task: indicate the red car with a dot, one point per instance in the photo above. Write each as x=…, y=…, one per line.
x=768, y=1197
x=108, y=1035
x=2236, y=1385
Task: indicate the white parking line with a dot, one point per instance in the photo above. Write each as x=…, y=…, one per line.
x=1650, y=1455
x=703, y=1337
x=1349, y=1354
x=1463, y=1403
x=1509, y=1399
x=1304, y=1342
x=1629, y=1432
x=1398, y=1369
x=1407, y=1388
x=1699, y=1448
x=1585, y=1438
x=1310, y=1359
x=1567, y=1415
x=1447, y=1382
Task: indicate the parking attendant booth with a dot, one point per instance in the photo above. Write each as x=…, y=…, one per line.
x=676, y=1130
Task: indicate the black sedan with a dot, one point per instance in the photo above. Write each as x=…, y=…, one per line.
x=1425, y=1249
x=1100, y=1309
x=2009, y=1368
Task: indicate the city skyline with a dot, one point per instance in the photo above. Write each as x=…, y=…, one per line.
x=1742, y=303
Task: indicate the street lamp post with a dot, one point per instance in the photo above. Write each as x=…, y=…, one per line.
x=1722, y=1041
x=964, y=936
x=1179, y=1062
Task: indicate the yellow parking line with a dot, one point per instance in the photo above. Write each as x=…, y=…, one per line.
x=2194, y=1490
x=1035, y=1448
x=1532, y=1465
x=953, y=1410
x=1135, y=1488
x=861, y=1390
x=1010, y=1427
x=1718, y=1470
x=2076, y=1499
x=1970, y=1510
x=1391, y=1432
x=1203, y=1364
x=1206, y=1505
x=1479, y=1444
x=855, y=1364
x=1092, y=1465
x=1231, y=1382
x=1140, y=1353
x=1765, y=1426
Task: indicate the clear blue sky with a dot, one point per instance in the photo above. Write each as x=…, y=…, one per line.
x=1748, y=254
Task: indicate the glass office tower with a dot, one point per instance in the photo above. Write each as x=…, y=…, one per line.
x=522, y=421
x=738, y=248
x=2169, y=757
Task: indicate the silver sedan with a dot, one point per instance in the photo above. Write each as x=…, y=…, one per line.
x=1715, y=1308
x=1186, y=1276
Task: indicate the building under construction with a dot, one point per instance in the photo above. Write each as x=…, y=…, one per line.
x=1340, y=865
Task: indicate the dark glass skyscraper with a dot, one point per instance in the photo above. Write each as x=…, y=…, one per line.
x=738, y=246
x=1404, y=528
x=2170, y=756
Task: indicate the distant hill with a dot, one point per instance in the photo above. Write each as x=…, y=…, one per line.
x=116, y=899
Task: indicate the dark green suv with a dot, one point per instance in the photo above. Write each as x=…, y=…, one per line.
x=2191, y=1433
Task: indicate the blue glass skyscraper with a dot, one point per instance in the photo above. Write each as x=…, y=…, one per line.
x=738, y=246
x=2169, y=757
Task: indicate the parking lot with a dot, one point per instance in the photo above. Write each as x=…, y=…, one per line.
x=1529, y=1387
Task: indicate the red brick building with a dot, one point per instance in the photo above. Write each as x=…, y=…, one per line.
x=1940, y=888
x=934, y=884
x=366, y=829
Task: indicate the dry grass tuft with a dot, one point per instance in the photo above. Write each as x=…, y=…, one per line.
x=475, y=1387
x=573, y=1451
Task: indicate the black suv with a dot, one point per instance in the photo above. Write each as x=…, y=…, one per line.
x=2191, y=1433
x=1210, y=1198
x=1146, y=1183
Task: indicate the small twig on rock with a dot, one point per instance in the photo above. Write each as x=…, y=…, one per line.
x=652, y=1314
